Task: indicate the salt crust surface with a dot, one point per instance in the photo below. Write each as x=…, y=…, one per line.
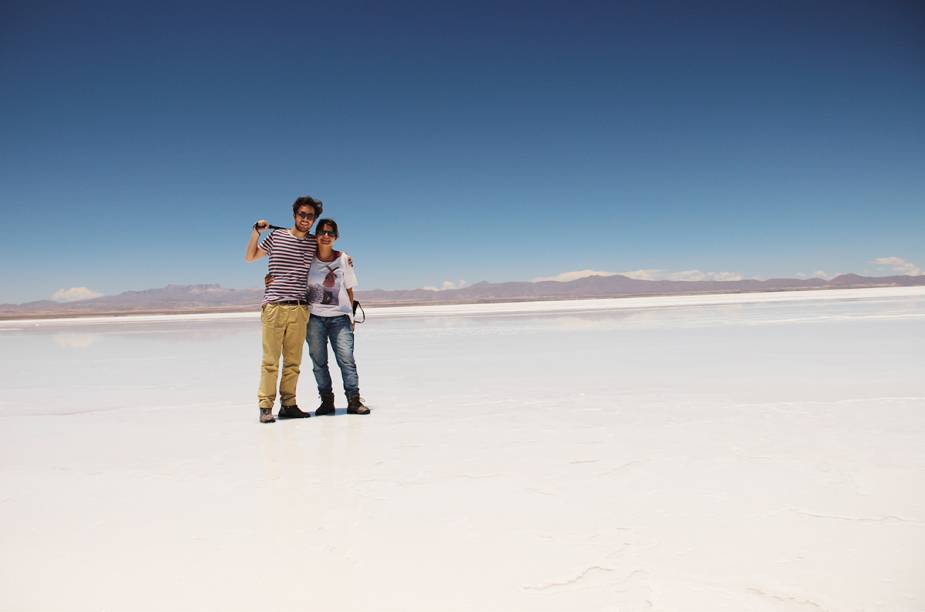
x=729, y=453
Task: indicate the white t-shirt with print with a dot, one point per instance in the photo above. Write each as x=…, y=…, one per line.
x=328, y=282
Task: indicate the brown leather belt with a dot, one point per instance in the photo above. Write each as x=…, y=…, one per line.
x=291, y=303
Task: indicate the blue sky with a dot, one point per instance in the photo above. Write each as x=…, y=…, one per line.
x=460, y=141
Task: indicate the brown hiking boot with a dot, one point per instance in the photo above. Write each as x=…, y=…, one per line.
x=292, y=412
x=327, y=405
x=266, y=415
x=355, y=405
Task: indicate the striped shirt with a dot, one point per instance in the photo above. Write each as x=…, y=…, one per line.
x=290, y=260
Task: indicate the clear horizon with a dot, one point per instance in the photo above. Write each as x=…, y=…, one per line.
x=456, y=144
x=79, y=294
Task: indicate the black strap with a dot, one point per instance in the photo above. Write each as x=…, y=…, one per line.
x=357, y=305
x=269, y=227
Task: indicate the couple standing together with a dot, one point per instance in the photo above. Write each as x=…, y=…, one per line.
x=308, y=297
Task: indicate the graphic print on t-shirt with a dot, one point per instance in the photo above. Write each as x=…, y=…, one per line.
x=328, y=292
x=331, y=288
x=329, y=283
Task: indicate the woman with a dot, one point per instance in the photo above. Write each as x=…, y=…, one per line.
x=331, y=280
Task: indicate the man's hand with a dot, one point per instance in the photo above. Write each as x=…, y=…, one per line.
x=253, y=252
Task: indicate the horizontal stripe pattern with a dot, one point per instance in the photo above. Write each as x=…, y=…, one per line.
x=290, y=260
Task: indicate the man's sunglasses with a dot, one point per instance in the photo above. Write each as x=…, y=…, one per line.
x=305, y=216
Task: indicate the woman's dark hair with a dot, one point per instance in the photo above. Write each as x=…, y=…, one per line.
x=307, y=201
x=331, y=222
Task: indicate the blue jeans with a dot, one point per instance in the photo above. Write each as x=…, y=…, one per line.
x=340, y=331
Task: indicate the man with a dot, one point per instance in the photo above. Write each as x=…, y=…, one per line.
x=284, y=313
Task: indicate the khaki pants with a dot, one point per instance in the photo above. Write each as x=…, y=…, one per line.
x=283, y=332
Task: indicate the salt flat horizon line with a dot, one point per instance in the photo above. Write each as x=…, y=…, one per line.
x=505, y=308
x=901, y=268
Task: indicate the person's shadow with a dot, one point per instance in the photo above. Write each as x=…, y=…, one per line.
x=337, y=412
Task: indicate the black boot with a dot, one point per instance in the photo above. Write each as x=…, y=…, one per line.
x=327, y=404
x=266, y=415
x=292, y=412
x=355, y=405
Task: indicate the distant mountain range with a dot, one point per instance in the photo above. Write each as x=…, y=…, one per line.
x=215, y=298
